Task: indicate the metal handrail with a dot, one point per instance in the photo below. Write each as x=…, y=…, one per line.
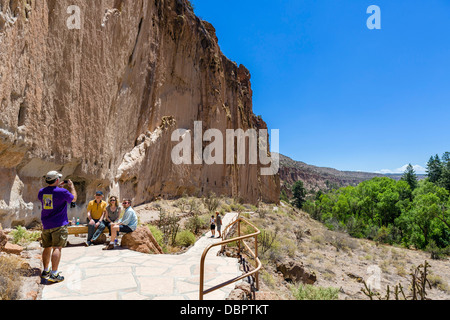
x=240, y=239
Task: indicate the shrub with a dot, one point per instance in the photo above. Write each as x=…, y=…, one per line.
x=263, y=212
x=237, y=207
x=266, y=240
x=157, y=234
x=185, y=238
x=436, y=252
x=195, y=224
x=384, y=235
x=437, y=282
x=23, y=237
x=211, y=202
x=337, y=240
x=169, y=225
x=309, y=292
x=288, y=247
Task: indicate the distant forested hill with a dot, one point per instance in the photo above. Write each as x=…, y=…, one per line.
x=320, y=178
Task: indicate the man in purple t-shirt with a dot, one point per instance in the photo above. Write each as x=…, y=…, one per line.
x=54, y=200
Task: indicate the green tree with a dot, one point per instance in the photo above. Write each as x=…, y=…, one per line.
x=444, y=180
x=424, y=220
x=388, y=211
x=299, y=194
x=425, y=208
x=319, y=194
x=404, y=190
x=410, y=176
x=387, y=207
x=434, y=169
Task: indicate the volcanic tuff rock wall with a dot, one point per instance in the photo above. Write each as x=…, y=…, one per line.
x=100, y=103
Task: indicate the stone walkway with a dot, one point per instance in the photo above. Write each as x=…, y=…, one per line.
x=120, y=274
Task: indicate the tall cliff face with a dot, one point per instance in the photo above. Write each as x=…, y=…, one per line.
x=99, y=102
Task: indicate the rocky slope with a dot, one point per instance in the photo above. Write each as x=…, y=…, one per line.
x=318, y=178
x=100, y=102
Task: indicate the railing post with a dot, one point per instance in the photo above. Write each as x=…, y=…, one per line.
x=202, y=271
x=239, y=234
x=223, y=243
x=256, y=255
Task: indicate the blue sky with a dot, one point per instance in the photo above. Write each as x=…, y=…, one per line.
x=344, y=96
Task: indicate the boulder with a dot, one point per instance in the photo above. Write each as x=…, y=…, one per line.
x=237, y=295
x=141, y=240
x=294, y=271
x=12, y=248
x=101, y=239
x=242, y=291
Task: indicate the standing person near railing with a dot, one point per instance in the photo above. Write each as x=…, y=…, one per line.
x=219, y=224
x=213, y=226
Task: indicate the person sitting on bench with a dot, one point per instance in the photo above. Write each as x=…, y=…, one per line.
x=111, y=215
x=128, y=223
x=95, y=211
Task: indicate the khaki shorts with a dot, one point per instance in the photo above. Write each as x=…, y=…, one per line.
x=55, y=238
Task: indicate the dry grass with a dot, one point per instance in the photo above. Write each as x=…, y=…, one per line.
x=10, y=277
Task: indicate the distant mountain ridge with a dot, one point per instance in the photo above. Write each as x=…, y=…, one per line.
x=322, y=178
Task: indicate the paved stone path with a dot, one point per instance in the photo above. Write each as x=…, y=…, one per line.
x=121, y=274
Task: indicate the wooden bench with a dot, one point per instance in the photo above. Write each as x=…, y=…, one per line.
x=81, y=229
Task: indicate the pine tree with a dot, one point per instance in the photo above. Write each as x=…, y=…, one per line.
x=410, y=177
x=434, y=169
x=299, y=194
x=444, y=180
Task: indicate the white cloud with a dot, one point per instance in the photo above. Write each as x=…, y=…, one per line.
x=384, y=171
x=417, y=168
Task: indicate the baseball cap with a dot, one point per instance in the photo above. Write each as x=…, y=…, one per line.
x=52, y=175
